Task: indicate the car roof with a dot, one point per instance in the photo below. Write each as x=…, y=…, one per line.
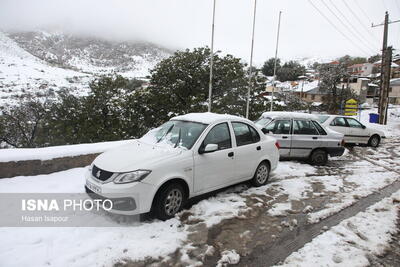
x=290, y=115
x=331, y=116
x=209, y=118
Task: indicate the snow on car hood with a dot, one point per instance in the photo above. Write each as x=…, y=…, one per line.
x=134, y=156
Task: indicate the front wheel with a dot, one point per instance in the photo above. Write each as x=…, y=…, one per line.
x=374, y=141
x=169, y=201
x=319, y=157
x=262, y=175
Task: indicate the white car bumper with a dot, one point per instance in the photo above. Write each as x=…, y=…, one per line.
x=128, y=199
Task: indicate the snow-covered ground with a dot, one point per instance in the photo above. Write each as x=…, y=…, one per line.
x=350, y=242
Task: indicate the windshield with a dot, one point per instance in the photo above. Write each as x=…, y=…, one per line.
x=262, y=121
x=175, y=134
x=322, y=118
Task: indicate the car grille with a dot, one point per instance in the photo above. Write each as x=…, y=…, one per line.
x=100, y=174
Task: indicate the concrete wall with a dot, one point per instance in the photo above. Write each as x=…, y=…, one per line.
x=35, y=167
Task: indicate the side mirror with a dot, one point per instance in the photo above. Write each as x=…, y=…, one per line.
x=208, y=149
x=265, y=131
x=363, y=126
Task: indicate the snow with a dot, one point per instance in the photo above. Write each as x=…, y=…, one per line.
x=307, y=86
x=47, y=153
x=228, y=257
x=296, y=115
x=21, y=72
x=206, y=117
x=350, y=242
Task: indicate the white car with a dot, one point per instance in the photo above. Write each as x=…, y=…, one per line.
x=354, y=131
x=187, y=156
x=300, y=136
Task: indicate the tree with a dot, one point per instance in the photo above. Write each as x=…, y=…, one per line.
x=290, y=71
x=179, y=84
x=348, y=60
x=331, y=76
x=374, y=58
x=268, y=67
x=21, y=125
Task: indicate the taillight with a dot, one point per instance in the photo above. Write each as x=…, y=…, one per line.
x=342, y=143
x=277, y=145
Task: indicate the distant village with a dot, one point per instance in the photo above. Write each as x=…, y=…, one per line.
x=364, y=82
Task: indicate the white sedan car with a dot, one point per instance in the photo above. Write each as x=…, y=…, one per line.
x=187, y=156
x=354, y=131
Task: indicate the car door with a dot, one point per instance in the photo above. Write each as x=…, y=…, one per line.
x=211, y=170
x=280, y=129
x=357, y=132
x=305, y=138
x=247, y=151
x=339, y=124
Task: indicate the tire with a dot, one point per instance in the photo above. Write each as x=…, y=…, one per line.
x=374, y=140
x=169, y=201
x=261, y=175
x=319, y=157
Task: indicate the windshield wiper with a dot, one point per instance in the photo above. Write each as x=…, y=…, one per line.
x=179, y=138
x=167, y=132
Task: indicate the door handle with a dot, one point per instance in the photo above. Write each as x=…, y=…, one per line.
x=284, y=137
x=230, y=154
x=314, y=137
x=259, y=148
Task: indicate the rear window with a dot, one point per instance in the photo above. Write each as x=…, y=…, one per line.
x=322, y=118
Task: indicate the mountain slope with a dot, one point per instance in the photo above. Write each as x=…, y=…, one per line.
x=92, y=55
x=22, y=75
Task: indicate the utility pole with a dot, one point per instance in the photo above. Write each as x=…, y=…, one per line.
x=251, y=61
x=211, y=60
x=386, y=63
x=276, y=58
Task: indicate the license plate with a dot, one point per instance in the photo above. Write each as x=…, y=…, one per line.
x=93, y=187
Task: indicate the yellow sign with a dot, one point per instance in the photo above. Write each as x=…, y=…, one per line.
x=351, y=107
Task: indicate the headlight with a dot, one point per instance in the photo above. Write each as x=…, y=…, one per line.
x=130, y=177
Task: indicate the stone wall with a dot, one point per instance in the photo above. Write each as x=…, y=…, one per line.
x=35, y=167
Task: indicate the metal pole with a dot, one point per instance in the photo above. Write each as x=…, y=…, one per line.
x=211, y=60
x=251, y=61
x=276, y=55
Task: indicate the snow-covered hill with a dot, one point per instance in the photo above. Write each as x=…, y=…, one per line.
x=39, y=63
x=22, y=74
x=92, y=55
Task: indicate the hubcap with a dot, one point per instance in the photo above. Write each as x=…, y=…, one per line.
x=319, y=158
x=262, y=174
x=374, y=141
x=173, y=202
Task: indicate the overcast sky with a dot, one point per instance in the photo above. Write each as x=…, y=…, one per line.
x=179, y=24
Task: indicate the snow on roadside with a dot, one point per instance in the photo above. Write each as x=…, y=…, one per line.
x=47, y=153
x=367, y=179
x=98, y=246
x=350, y=242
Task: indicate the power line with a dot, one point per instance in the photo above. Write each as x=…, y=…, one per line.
x=358, y=19
x=355, y=33
x=333, y=25
x=363, y=11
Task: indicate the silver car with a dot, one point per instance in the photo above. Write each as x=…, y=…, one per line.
x=300, y=136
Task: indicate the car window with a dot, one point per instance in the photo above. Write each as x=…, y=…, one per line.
x=279, y=127
x=339, y=121
x=319, y=128
x=242, y=134
x=304, y=127
x=219, y=135
x=322, y=118
x=353, y=123
x=254, y=134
